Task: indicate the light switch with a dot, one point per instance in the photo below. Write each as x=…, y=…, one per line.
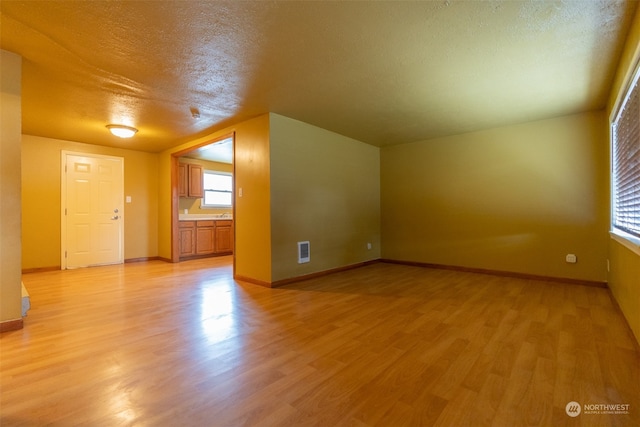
x=128, y=199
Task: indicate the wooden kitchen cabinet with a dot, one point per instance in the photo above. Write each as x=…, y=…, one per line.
x=205, y=241
x=182, y=180
x=202, y=238
x=190, y=180
x=187, y=231
x=224, y=236
x=196, y=184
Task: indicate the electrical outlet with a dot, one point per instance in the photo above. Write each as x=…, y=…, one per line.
x=572, y=258
x=369, y=246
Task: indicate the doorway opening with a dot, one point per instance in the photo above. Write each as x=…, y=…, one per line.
x=203, y=200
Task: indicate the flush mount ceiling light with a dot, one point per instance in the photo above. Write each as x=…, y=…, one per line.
x=122, y=131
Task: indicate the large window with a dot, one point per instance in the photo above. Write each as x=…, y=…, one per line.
x=218, y=189
x=625, y=167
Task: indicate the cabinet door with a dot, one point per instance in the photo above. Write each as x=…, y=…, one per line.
x=204, y=240
x=187, y=238
x=224, y=239
x=182, y=180
x=195, y=181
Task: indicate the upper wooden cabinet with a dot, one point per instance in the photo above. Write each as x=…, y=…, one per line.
x=196, y=187
x=190, y=178
x=182, y=180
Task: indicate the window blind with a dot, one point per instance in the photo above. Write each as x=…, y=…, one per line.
x=626, y=162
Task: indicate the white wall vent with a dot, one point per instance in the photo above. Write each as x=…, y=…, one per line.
x=303, y=252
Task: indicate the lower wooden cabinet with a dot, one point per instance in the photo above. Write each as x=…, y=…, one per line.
x=205, y=238
x=187, y=230
x=224, y=237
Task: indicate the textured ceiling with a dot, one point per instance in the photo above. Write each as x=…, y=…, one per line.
x=380, y=72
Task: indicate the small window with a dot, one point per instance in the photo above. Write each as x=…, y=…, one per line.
x=625, y=163
x=218, y=189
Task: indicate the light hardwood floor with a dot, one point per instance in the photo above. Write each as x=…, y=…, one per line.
x=158, y=344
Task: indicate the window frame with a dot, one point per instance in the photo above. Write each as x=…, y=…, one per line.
x=632, y=79
x=204, y=189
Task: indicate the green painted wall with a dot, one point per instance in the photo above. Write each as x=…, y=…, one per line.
x=516, y=199
x=325, y=189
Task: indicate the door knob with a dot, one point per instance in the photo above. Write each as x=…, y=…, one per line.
x=115, y=217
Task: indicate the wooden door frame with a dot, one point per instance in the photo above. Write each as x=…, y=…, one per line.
x=63, y=202
x=175, y=199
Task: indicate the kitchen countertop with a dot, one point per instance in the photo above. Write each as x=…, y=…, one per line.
x=203, y=217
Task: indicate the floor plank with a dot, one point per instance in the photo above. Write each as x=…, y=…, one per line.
x=158, y=344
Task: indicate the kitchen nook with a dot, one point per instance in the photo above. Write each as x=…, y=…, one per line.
x=205, y=209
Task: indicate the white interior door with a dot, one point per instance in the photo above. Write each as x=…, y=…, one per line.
x=92, y=210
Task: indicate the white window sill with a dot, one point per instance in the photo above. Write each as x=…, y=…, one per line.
x=627, y=240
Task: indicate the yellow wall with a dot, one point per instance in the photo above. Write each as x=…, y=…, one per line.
x=10, y=206
x=624, y=278
x=325, y=188
x=516, y=199
x=41, y=160
x=251, y=215
x=624, y=282
x=193, y=205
